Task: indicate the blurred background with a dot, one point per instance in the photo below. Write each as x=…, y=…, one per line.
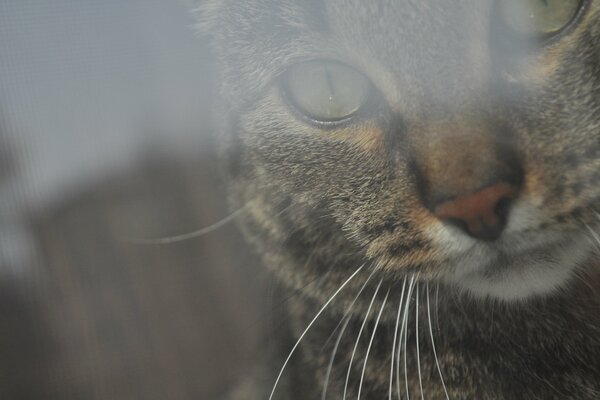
x=105, y=136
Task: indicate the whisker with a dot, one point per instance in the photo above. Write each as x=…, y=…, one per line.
x=362, y=375
x=296, y=292
x=417, y=341
x=362, y=327
x=333, y=353
x=584, y=277
x=347, y=317
x=189, y=235
x=437, y=305
x=594, y=235
x=405, y=329
x=309, y=326
x=347, y=312
x=394, y=344
x=437, y=363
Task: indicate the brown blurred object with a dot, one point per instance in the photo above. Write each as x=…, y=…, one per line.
x=103, y=318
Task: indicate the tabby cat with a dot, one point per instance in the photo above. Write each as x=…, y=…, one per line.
x=422, y=177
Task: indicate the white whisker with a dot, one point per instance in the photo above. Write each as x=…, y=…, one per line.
x=346, y=318
x=594, y=236
x=405, y=329
x=394, y=343
x=417, y=340
x=189, y=235
x=362, y=327
x=309, y=326
x=333, y=353
x=437, y=363
x=362, y=375
x=437, y=305
x=348, y=310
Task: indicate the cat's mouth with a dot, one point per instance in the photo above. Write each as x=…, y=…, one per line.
x=517, y=267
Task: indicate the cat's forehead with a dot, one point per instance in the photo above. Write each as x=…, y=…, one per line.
x=407, y=26
x=415, y=43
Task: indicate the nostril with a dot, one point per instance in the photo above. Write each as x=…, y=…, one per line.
x=502, y=207
x=482, y=214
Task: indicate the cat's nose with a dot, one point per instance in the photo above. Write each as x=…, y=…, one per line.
x=482, y=214
x=468, y=173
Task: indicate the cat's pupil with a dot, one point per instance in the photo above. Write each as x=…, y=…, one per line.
x=330, y=83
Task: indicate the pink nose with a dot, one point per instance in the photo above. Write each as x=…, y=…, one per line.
x=482, y=214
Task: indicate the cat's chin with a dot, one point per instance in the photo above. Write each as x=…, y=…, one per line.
x=492, y=271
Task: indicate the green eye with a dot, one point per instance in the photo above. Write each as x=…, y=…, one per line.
x=326, y=91
x=538, y=17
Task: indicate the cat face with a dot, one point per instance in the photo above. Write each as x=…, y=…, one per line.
x=457, y=140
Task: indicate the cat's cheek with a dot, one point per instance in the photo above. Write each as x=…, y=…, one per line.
x=526, y=215
x=301, y=158
x=551, y=194
x=367, y=137
x=533, y=187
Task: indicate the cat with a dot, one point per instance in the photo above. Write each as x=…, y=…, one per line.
x=423, y=177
